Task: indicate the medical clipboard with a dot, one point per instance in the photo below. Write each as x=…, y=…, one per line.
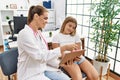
x=71, y=56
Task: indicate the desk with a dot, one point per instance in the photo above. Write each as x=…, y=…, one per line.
x=47, y=38
x=13, y=44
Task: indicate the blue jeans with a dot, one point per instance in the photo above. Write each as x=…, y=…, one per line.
x=56, y=75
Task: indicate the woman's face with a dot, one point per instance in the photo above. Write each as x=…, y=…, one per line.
x=42, y=20
x=69, y=28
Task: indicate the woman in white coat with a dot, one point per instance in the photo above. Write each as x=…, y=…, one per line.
x=33, y=50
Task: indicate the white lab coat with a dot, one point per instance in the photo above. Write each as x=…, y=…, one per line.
x=33, y=55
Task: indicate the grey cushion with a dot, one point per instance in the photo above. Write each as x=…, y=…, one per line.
x=83, y=74
x=8, y=61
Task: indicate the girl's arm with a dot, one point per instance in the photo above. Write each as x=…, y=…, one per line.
x=55, y=45
x=79, y=45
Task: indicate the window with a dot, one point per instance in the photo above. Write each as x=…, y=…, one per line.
x=80, y=9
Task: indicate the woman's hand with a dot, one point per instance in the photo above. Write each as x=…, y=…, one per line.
x=69, y=47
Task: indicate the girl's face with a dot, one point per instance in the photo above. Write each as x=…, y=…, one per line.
x=69, y=28
x=43, y=20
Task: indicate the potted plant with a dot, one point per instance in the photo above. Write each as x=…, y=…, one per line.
x=106, y=28
x=7, y=18
x=50, y=34
x=7, y=6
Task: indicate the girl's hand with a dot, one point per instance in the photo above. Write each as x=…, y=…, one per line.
x=77, y=58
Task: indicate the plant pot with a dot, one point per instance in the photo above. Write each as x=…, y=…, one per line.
x=7, y=20
x=99, y=64
x=50, y=34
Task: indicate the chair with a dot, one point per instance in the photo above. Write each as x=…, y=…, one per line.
x=8, y=62
x=82, y=47
x=107, y=74
x=12, y=37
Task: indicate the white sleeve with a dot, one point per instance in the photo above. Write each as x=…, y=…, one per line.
x=77, y=38
x=29, y=46
x=56, y=39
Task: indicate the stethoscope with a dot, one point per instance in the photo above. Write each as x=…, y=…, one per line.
x=40, y=36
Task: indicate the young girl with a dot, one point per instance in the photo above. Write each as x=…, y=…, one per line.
x=68, y=35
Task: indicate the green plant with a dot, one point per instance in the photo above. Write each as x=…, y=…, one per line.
x=7, y=6
x=106, y=27
x=50, y=34
x=7, y=17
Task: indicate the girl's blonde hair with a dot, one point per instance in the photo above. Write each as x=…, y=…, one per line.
x=69, y=19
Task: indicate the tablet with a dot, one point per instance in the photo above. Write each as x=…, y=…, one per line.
x=71, y=56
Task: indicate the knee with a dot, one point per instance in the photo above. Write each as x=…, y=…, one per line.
x=76, y=78
x=94, y=77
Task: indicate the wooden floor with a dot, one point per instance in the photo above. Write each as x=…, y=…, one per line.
x=2, y=77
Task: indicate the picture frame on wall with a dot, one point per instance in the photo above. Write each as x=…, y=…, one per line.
x=13, y=6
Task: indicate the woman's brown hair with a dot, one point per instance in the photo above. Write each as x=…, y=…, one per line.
x=69, y=19
x=35, y=10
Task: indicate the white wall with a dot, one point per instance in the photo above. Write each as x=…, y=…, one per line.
x=60, y=12
x=57, y=5
x=19, y=3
